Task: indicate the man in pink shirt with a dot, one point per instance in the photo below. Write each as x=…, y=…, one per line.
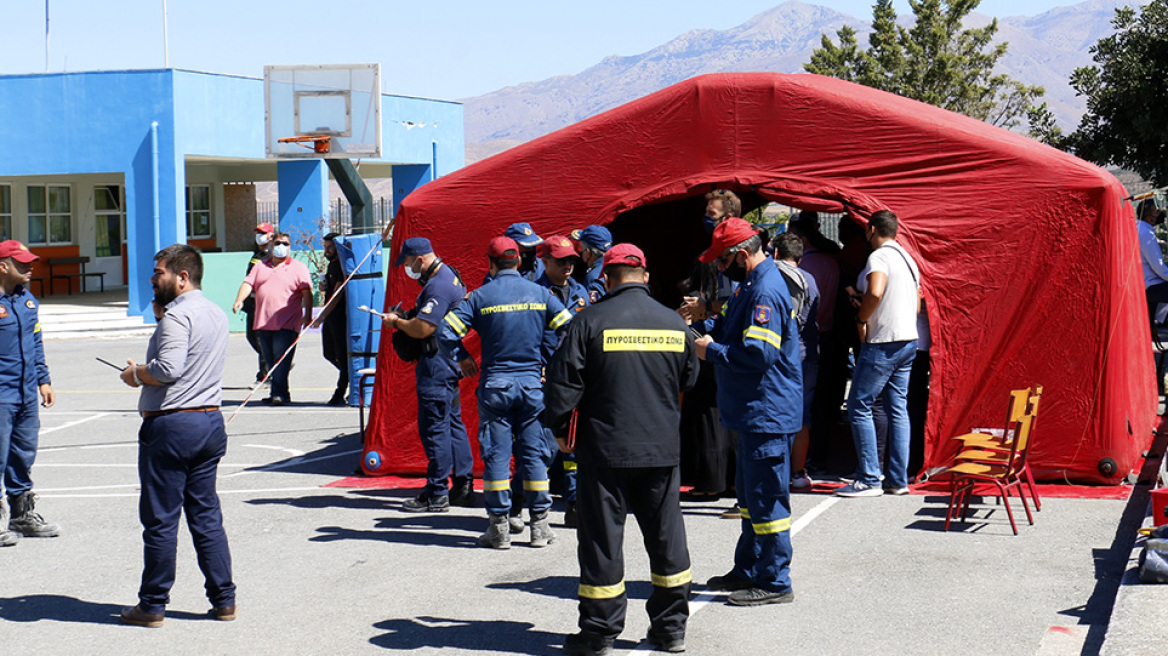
x=282, y=288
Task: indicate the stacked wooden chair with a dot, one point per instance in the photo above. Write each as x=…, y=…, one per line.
x=998, y=461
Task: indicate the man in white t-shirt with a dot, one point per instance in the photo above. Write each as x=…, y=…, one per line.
x=1152, y=258
x=887, y=323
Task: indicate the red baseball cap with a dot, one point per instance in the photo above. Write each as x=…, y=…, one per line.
x=627, y=254
x=17, y=251
x=730, y=232
x=557, y=246
x=502, y=247
x=265, y=228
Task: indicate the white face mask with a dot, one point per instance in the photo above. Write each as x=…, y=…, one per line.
x=262, y=238
x=414, y=275
x=280, y=251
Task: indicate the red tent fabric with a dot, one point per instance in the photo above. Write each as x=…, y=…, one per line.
x=1029, y=256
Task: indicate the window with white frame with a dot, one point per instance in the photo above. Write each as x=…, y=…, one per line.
x=110, y=214
x=5, y=212
x=199, y=212
x=50, y=214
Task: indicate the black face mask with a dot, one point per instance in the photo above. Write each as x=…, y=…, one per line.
x=527, y=260
x=735, y=271
x=709, y=223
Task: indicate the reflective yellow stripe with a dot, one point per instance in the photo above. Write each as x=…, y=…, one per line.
x=644, y=340
x=535, y=486
x=601, y=591
x=763, y=334
x=36, y=328
x=744, y=512
x=514, y=307
x=560, y=319
x=496, y=486
x=454, y=322
x=569, y=465
x=672, y=580
x=776, y=526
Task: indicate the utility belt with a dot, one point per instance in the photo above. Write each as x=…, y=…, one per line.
x=148, y=414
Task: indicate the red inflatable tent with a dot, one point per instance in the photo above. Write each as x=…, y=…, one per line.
x=1029, y=256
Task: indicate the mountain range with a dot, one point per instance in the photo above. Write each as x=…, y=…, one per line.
x=1043, y=49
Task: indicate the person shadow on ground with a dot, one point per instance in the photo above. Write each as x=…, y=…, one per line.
x=59, y=608
x=407, y=634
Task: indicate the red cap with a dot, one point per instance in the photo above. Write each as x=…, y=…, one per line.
x=557, y=246
x=730, y=232
x=17, y=251
x=499, y=247
x=625, y=254
x=265, y=228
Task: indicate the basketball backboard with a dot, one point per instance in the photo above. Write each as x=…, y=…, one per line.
x=323, y=111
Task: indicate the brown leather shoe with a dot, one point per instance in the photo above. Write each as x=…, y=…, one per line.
x=223, y=613
x=136, y=616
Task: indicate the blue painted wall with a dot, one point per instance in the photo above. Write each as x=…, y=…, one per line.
x=101, y=122
x=304, y=201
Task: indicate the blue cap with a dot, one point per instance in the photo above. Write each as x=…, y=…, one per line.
x=523, y=235
x=413, y=247
x=597, y=237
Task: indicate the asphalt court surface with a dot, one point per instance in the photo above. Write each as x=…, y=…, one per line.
x=328, y=570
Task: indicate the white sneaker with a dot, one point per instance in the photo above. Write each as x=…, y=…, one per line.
x=801, y=481
x=858, y=489
x=896, y=491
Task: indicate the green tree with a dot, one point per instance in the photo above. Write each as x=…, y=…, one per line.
x=935, y=61
x=1126, y=123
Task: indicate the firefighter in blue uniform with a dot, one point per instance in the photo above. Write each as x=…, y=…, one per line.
x=23, y=374
x=510, y=315
x=755, y=350
x=594, y=243
x=623, y=364
x=440, y=426
x=559, y=257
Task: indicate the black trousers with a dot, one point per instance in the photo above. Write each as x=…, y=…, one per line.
x=334, y=341
x=605, y=496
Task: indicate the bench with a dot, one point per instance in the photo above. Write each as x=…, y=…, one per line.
x=40, y=284
x=68, y=277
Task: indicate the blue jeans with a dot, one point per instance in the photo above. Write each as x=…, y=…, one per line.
x=509, y=409
x=882, y=370
x=178, y=459
x=273, y=343
x=19, y=426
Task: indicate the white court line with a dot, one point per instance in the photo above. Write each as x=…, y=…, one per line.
x=295, y=453
x=699, y=601
x=46, y=431
x=40, y=493
x=134, y=465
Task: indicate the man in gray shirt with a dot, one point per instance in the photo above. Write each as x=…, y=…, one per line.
x=182, y=437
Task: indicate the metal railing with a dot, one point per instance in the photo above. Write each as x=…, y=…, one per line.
x=340, y=214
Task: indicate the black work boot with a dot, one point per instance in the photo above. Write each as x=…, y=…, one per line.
x=570, y=519
x=27, y=522
x=463, y=496
x=7, y=538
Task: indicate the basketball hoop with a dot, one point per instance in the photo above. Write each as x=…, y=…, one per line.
x=318, y=144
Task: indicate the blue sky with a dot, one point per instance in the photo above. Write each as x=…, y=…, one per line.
x=434, y=48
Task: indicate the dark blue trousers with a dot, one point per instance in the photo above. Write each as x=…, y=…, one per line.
x=443, y=434
x=178, y=459
x=19, y=426
x=763, y=554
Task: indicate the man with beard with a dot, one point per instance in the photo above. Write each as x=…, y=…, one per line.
x=333, y=323
x=760, y=394
x=23, y=373
x=182, y=437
